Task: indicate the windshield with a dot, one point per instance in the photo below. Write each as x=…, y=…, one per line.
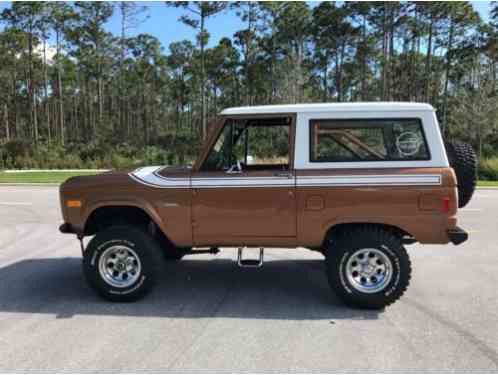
x=220, y=154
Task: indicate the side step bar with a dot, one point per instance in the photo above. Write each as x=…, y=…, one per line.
x=250, y=263
x=211, y=250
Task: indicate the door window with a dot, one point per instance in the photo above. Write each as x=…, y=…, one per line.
x=251, y=144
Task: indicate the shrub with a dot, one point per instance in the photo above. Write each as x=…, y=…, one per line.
x=71, y=161
x=488, y=169
x=17, y=148
x=168, y=149
x=92, y=151
x=117, y=161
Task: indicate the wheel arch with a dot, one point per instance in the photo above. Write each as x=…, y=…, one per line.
x=338, y=227
x=104, y=214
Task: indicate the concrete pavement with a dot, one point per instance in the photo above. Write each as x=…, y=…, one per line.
x=208, y=315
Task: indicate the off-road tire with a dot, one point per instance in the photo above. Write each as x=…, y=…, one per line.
x=169, y=251
x=143, y=245
x=172, y=255
x=342, y=245
x=463, y=160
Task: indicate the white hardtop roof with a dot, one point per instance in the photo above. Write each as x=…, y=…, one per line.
x=329, y=107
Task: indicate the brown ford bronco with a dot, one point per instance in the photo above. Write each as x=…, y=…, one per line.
x=356, y=182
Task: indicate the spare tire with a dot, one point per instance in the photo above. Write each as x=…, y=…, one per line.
x=463, y=160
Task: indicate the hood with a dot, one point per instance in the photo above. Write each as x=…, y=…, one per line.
x=121, y=179
x=91, y=181
x=174, y=172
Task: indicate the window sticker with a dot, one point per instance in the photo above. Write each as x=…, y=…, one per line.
x=408, y=143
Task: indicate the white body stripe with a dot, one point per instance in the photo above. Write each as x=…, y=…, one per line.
x=150, y=176
x=369, y=180
x=227, y=182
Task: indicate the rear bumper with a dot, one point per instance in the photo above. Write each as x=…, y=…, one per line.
x=457, y=235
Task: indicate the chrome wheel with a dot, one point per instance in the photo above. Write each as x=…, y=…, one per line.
x=120, y=266
x=369, y=270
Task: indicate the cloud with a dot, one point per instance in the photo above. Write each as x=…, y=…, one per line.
x=50, y=52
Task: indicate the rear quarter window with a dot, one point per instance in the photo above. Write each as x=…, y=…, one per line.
x=367, y=140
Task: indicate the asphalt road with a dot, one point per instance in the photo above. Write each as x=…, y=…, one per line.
x=208, y=315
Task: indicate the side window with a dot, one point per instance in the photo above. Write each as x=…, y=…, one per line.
x=254, y=144
x=267, y=145
x=367, y=140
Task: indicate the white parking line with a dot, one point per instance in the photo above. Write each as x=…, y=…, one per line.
x=471, y=209
x=16, y=204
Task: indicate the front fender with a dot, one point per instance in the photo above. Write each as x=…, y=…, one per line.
x=135, y=202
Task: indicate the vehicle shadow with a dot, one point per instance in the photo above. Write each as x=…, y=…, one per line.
x=191, y=288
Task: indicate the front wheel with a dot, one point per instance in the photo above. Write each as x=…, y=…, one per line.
x=120, y=263
x=173, y=255
x=367, y=267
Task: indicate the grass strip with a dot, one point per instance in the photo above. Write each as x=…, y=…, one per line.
x=52, y=177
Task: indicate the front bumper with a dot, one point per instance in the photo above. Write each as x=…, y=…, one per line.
x=457, y=235
x=67, y=228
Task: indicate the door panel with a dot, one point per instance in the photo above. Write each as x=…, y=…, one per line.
x=249, y=205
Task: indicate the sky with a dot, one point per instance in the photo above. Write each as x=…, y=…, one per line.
x=163, y=22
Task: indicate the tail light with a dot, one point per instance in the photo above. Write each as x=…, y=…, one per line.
x=446, y=204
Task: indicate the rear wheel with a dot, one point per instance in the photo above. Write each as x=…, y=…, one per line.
x=367, y=267
x=120, y=263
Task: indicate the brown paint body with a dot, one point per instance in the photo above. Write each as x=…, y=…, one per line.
x=283, y=216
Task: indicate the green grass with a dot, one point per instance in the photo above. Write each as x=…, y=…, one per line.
x=52, y=177
x=487, y=183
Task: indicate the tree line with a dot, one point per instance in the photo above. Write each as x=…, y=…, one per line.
x=74, y=94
